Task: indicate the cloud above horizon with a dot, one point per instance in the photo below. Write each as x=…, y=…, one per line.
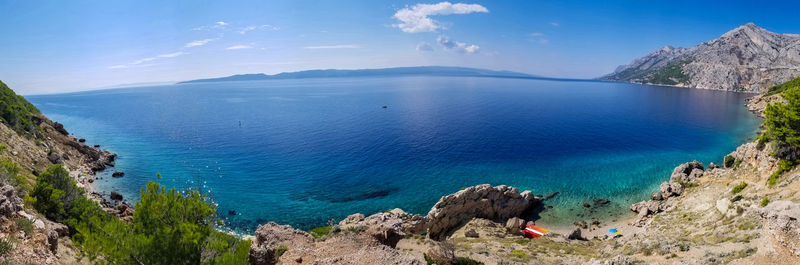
x=452, y=45
x=198, y=43
x=417, y=19
x=262, y=27
x=216, y=25
x=139, y=63
x=239, y=47
x=341, y=46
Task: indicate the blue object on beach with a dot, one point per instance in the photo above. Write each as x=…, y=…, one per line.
x=612, y=230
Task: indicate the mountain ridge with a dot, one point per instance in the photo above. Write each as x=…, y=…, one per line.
x=392, y=71
x=746, y=59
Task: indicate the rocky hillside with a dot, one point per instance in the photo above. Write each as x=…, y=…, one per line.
x=747, y=59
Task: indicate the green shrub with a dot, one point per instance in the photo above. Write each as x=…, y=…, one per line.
x=783, y=166
x=467, y=261
x=279, y=252
x=16, y=111
x=729, y=161
x=764, y=201
x=519, y=254
x=739, y=188
x=24, y=225
x=783, y=87
x=3, y=148
x=320, y=231
x=5, y=247
x=168, y=227
x=782, y=124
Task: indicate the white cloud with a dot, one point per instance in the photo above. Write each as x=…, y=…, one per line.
x=342, y=46
x=554, y=24
x=262, y=27
x=198, y=43
x=424, y=47
x=217, y=25
x=140, y=62
x=537, y=34
x=417, y=18
x=239, y=47
x=461, y=47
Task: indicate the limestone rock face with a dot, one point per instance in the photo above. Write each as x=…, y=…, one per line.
x=748, y=58
x=387, y=228
x=483, y=201
x=687, y=172
x=782, y=223
x=10, y=203
x=269, y=237
x=441, y=252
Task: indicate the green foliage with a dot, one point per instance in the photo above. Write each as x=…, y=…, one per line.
x=467, y=261
x=5, y=247
x=739, y=188
x=782, y=121
x=783, y=166
x=279, y=252
x=783, y=87
x=168, y=227
x=3, y=148
x=729, y=159
x=668, y=75
x=24, y=225
x=55, y=194
x=16, y=111
x=764, y=201
x=320, y=231
x=519, y=254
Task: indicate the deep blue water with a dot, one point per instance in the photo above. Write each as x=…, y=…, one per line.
x=314, y=149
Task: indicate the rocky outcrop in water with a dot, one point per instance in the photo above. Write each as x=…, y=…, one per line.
x=748, y=58
x=483, y=201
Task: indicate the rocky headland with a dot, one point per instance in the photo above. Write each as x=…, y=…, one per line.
x=748, y=59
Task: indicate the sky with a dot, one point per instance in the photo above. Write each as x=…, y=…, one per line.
x=65, y=46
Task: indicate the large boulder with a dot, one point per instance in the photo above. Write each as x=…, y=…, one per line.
x=514, y=225
x=782, y=223
x=682, y=173
x=483, y=201
x=10, y=203
x=55, y=158
x=386, y=228
x=269, y=237
x=440, y=252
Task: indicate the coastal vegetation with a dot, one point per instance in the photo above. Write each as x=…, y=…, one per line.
x=782, y=127
x=783, y=87
x=16, y=112
x=168, y=226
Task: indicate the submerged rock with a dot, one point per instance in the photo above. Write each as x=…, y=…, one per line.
x=116, y=196
x=118, y=174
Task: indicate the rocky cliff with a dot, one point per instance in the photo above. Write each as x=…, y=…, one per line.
x=747, y=59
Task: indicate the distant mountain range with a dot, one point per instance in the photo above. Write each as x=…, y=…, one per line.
x=748, y=59
x=397, y=71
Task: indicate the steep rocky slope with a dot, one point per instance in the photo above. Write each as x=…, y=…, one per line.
x=748, y=59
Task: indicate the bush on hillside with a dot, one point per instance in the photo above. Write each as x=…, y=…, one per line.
x=16, y=111
x=168, y=227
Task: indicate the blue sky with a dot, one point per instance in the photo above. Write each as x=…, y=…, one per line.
x=61, y=46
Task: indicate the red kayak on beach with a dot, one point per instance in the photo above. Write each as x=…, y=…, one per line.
x=532, y=231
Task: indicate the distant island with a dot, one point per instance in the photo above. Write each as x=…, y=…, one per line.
x=395, y=71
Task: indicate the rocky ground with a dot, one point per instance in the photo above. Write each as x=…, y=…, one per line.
x=31, y=238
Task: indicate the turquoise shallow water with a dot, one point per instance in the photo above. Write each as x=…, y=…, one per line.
x=311, y=150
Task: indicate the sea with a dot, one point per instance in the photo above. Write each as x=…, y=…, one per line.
x=307, y=151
